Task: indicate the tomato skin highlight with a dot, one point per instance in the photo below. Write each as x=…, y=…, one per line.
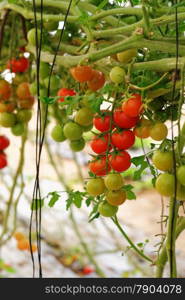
x=132, y=107
x=62, y=93
x=97, y=81
x=120, y=162
x=82, y=73
x=163, y=161
x=100, y=167
x=100, y=144
x=102, y=123
x=123, y=140
x=123, y=121
x=4, y=142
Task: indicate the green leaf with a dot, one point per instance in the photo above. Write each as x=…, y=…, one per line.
x=76, y=198
x=49, y=100
x=37, y=204
x=94, y=213
x=131, y=195
x=138, y=160
x=54, y=198
x=137, y=174
x=89, y=200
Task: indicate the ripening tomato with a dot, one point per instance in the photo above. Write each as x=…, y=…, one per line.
x=142, y=130
x=107, y=210
x=95, y=186
x=159, y=131
x=100, y=166
x=163, y=160
x=23, y=244
x=64, y=93
x=23, y=91
x=165, y=184
x=19, y=236
x=181, y=174
x=7, y=119
x=117, y=75
x=26, y=103
x=5, y=90
x=24, y=115
x=82, y=73
x=18, y=65
x=4, y=142
x=3, y=160
x=120, y=162
x=133, y=106
x=84, y=116
x=97, y=81
x=116, y=198
x=7, y=106
x=114, y=182
x=100, y=144
x=123, y=140
x=127, y=55
x=123, y=121
x=103, y=122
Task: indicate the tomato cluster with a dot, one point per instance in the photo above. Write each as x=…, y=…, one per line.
x=23, y=243
x=4, y=143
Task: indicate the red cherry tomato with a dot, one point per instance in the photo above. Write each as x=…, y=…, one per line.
x=3, y=160
x=65, y=92
x=124, y=121
x=123, y=140
x=100, y=144
x=82, y=73
x=87, y=270
x=120, y=162
x=18, y=65
x=100, y=167
x=133, y=106
x=97, y=81
x=4, y=142
x=103, y=123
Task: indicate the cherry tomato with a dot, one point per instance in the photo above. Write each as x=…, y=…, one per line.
x=127, y=55
x=114, y=181
x=107, y=210
x=117, y=75
x=77, y=145
x=120, y=162
x=18, y=65
x=7, y=106
x=23, y=244
x=163, y=160
x=159, y=131
x=7, y=119
x=165, y=184
x=142, y=130
x=4, y=142
x=123, y=121
x=123, y=140
x=82, y=73
x=100, y=166
x=181, y=175
x=24, y=115
x=84, y=116
x=87, y=270
x=23, y=91
x=100, y=144
x=5, y=90
x=97, y=81
x=65, y=92
x=19, y=236
x=18, y=129
x=133, y=106
x=95, y=186
x=3, y=161
x=72, y=131
x=26, y=103
x=103, y=122
x=116, y=198
x=57, y=134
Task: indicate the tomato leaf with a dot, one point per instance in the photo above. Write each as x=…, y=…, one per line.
x=138, y=160
x=137, y=174
x=130, y=194
x=76, y=198
x=54, y=198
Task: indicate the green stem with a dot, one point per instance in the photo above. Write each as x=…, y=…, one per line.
x=133, y=246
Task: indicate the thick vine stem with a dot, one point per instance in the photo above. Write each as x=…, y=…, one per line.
x=163, y=257
x=133, y=246
x=18, y=173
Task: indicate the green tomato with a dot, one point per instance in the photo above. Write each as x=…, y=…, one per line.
x=55, y=82
x=18, y=129
x=84, y=117
x=57, y=134
x=117, y=75
x=165, y=184
x=181, y=175
x=72, y=131
x=77, y=145
x=107, y=210
x=114, y=182
x=127, y=55
x=7, y=119
x=31, y=36
x=158, y=131
x=163, y=160
x=24, y=115
x=116, y=198
x=44, y=70
x=95, y=187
